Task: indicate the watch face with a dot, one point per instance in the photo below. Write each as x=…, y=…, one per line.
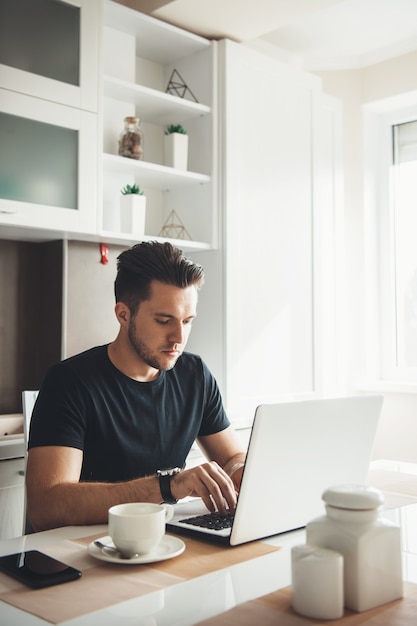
x=169, y=472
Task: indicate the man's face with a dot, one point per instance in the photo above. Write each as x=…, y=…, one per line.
x=159, y=332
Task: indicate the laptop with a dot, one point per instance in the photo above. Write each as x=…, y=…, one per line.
x=296, y=451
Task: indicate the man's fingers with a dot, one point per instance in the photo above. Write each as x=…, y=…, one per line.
x=210, y=483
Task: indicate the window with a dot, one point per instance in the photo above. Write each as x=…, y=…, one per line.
x=404, y=208
x=393, y=280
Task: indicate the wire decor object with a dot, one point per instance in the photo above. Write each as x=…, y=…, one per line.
x=178, y=87
x=174, y=228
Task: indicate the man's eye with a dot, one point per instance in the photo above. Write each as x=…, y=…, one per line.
x=163, y=322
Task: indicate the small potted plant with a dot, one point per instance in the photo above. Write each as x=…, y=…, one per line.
x=132, y=189
x=176, y=147
x=132, y=210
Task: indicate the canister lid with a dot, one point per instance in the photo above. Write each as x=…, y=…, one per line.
x=359, y=497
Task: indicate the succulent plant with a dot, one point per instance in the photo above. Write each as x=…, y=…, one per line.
x=132, y=189
x=175, y=128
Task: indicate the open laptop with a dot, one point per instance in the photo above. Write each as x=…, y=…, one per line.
x=296, y=451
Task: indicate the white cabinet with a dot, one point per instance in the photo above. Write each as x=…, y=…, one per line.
x=12, y=485
x=49, y=50
x=48, y=117
x=264, y=291
x=141, y=56
x=125, y=63
x=48, y=165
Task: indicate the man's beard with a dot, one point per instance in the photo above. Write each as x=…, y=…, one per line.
x=143, y=351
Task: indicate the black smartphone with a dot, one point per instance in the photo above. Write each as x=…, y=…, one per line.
x=37, y=570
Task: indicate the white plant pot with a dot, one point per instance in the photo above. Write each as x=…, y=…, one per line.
x=133, y=214
x=176, y=150
x=111, y=218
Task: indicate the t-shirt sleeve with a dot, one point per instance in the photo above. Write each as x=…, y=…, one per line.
x=214, y=417
x=59, y=414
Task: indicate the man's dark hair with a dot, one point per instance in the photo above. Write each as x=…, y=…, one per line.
x=149, y=261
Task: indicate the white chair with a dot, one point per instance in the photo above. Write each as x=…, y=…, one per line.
x=28, y=402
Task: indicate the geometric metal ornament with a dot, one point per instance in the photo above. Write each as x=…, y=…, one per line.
x=178, y=87
x=174, y=228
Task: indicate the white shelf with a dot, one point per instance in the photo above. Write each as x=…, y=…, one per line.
x=187, y=245
x=152, y=174
x=155, y=40
x=112, y=238
x=154, y=106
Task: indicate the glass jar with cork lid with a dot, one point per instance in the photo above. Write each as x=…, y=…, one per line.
x=131, y=139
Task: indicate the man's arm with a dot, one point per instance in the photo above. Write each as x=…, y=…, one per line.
x=225, y=448
x=56, y=497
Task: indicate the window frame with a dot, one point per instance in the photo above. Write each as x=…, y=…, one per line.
x=380, y=304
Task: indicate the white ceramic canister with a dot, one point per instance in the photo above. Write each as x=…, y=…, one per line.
x=317, y=582
x=370, y=545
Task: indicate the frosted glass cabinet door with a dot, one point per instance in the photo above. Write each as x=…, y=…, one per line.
x=48, y=163
x=49, y=49
x=38, y=162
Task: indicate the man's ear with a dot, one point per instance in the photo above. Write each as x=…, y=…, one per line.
x=122, y=313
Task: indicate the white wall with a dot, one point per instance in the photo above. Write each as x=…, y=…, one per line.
x=397, y=433
x=89, y=318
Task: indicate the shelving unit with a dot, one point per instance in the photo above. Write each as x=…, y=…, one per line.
x=140, y=54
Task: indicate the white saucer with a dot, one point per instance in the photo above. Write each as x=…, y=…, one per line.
x=167, y=549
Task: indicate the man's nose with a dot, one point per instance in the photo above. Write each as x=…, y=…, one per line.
x=177, y=333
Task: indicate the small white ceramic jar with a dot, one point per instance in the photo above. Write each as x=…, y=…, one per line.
x=317, y=582
x=370, y=545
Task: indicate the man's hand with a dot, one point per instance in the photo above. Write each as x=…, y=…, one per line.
x=209, y=482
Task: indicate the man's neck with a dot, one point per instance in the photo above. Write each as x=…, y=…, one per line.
x=127, y=362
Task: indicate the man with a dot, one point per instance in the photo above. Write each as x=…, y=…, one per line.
x=108, y=420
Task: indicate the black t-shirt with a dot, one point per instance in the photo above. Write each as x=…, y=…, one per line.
x=126, y=428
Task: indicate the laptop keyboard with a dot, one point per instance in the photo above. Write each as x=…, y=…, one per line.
x=213, y=521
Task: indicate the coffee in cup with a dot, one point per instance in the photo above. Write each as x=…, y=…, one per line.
x=138, y=527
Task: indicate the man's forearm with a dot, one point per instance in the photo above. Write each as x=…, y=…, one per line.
x=234, y=463
x=78, y=503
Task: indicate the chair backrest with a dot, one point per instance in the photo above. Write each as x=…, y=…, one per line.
x=28, y=402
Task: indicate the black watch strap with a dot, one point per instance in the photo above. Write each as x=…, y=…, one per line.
x=165, y=477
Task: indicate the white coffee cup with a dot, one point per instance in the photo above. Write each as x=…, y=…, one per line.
x=138, y=527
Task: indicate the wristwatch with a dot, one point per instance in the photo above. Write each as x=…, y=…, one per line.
x=165, y=483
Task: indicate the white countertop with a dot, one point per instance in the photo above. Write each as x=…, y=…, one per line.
x=185, y=603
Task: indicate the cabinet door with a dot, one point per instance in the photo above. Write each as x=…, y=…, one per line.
x=48, y=164
x=50, y=50
x=269, y=230
x=260, y=293
x=11, y=498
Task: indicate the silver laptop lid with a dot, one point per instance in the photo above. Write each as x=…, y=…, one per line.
x=296, y=451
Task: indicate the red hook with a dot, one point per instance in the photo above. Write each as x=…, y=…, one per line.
x=104, y=252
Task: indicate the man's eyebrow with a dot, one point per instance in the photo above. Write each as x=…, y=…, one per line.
x=170, y=316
